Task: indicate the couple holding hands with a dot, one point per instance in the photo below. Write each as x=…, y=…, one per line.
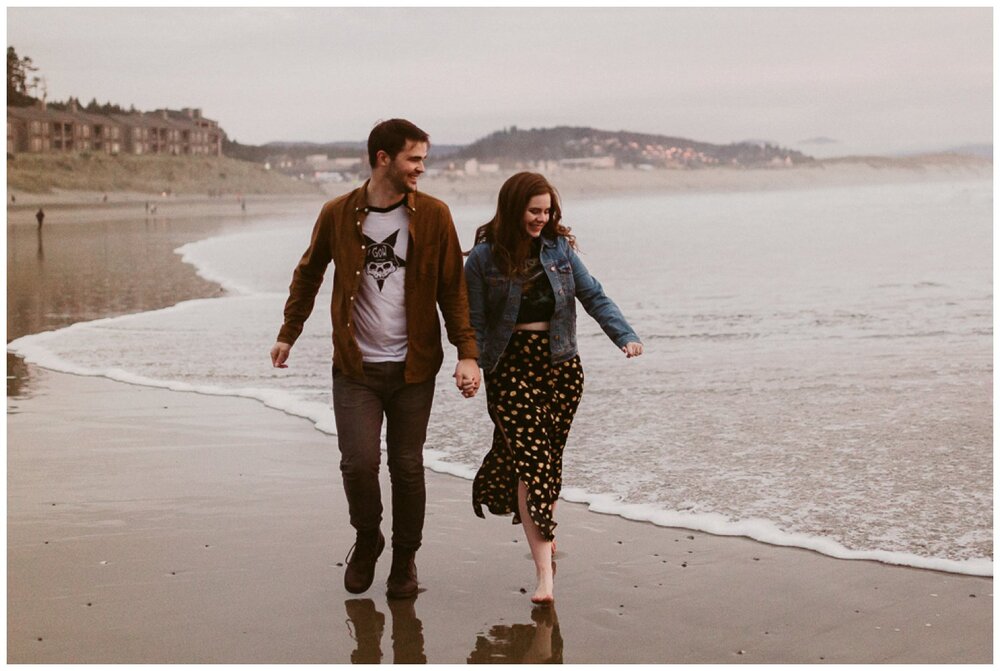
x=510, y=311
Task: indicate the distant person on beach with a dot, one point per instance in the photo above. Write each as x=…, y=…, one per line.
x=397, y=259
x=524, y=277
x=40, y=217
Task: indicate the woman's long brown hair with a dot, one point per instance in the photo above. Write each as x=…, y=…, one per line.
x=505, y=231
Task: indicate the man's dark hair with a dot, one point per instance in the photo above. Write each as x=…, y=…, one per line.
x=391, y=136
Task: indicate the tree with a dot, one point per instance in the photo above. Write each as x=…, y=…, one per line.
x=18, y=70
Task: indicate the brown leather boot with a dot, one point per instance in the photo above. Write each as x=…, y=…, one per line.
x=402, y=582
x=361, y=561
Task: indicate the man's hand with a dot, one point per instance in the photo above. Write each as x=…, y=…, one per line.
x=467, y=377
x=632, y=349
x=279, y=354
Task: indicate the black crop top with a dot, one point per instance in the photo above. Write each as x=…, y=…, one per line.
x=538, y=302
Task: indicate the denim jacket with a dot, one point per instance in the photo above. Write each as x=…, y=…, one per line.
x=494, y=300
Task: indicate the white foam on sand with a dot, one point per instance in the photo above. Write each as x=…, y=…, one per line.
x=34, y=349
x=766, y=531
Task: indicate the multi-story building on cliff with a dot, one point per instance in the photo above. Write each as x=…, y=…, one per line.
x=39, y=129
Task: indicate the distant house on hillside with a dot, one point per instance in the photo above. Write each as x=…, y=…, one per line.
x=596, y=163
x=38, y=130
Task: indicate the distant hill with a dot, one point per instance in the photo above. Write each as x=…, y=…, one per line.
x=818, y=140
x=299, y=150
x=514, y=145
x=981, y=150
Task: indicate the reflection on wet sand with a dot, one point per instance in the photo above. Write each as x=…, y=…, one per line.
x=72, y=273
x=18, y=379
x=538, y=643
x=366, y=625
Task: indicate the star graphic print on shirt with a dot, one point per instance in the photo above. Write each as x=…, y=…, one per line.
x=381, y=260
x=379, y=314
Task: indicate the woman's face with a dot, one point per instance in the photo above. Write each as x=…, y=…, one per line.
x=536, y=215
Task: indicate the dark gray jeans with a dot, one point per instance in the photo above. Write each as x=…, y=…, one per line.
x=359, y=406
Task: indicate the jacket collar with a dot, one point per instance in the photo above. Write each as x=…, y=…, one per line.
x=551, y=243
x=360, y=199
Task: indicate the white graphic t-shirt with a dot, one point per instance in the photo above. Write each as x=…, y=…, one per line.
x=380, y=307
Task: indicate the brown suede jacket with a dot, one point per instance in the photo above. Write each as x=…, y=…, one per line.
x=434, y=277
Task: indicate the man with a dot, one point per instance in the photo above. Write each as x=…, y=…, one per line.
x=396, y=259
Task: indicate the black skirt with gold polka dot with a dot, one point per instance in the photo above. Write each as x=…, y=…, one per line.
x=531, y=402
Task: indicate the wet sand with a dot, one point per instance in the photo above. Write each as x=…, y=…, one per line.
x=154, y=526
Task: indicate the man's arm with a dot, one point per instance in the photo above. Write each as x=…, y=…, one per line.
x=306, y=281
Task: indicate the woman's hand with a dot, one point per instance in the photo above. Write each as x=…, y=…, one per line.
x=467, y=377
x=632, y=349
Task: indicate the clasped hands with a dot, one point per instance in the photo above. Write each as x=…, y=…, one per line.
x=467, y=377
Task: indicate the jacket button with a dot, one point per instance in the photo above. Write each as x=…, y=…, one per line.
x=357, y=272
x=362, y=246
x=352, y=298
x=552, y=268
x=556, y=337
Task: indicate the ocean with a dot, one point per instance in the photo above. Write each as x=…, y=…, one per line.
x=817, y=369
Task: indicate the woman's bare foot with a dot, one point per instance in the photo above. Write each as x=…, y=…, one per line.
x=544, y=593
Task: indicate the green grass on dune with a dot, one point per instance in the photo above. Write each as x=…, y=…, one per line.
x=40, y=173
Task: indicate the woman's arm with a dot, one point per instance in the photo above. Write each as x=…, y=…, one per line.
x=604, y=310
x=475, y=282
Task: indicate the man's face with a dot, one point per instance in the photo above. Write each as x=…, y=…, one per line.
x=404, y=170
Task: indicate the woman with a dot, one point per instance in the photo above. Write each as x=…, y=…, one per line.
x=524, y=277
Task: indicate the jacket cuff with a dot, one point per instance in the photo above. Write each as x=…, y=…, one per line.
x=627, y=338
x=468, y=351
x=288, y=335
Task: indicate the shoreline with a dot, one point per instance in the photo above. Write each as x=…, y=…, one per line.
x=229, y=552
x=756, y=530
x=68, y=208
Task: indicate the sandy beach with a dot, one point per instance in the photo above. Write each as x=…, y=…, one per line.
x=153, y=526
x=149, y=526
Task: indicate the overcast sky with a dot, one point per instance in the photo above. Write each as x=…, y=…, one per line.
x=874, y=80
